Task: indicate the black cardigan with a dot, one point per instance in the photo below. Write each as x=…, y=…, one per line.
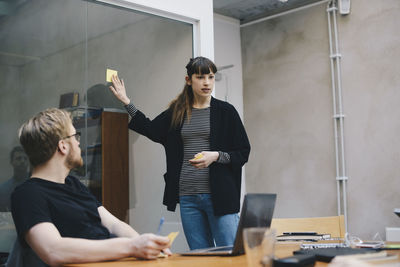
x=227, y=134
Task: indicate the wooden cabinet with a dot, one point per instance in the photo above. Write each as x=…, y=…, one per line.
x=105, y=152
x=115, y=163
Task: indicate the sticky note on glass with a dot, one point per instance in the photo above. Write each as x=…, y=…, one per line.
x=110, y=73
x=172, y=237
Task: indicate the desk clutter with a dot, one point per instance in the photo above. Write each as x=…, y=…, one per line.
x=334, y=256
x=296, y=260
x=326, y=252
x=302, y=236
x=366, y=259
x=340, y=255
x=305, y=246
x=347, y=251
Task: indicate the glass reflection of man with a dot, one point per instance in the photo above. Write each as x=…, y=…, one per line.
x=19, y=161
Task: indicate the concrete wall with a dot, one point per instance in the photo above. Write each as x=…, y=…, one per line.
x=371, y=78
x=288, y=113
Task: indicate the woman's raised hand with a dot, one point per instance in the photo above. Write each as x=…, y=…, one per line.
x=118, y=89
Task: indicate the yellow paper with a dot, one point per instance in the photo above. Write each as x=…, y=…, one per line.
x=110, y=73
x=162, y=255
x=172, y=237
x=198, y=156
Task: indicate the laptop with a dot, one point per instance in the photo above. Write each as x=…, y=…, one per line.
x=257, y=210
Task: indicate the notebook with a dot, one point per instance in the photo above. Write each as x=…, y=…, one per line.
x=257, y=210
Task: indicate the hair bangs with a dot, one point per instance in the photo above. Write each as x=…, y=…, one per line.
x=202, y=65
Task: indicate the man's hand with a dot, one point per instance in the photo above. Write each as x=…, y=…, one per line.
x=149, y=246
x=55, y=250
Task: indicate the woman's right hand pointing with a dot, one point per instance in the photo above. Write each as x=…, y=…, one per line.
x=118, y=89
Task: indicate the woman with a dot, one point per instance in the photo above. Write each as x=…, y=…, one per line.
x=206, y=146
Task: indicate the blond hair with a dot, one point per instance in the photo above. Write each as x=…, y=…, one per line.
x=39, y=136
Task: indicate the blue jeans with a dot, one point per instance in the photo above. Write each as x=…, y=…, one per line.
x=202, y=228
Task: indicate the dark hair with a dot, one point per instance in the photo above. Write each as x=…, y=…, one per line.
x=39, y=136
x=183, y=103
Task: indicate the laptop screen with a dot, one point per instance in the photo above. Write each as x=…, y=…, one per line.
x=257, y=211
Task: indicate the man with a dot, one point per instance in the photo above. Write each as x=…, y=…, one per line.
x=55, y=215
x=20, y=164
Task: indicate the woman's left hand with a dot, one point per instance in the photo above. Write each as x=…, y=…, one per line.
x=205, y=160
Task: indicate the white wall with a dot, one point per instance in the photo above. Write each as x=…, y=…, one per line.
x=228, y=52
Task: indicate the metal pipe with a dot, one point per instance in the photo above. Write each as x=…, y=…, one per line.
x=334, y=110
x=341, y=122
x=338, y=116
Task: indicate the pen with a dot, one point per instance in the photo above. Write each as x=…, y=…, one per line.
x=160, y=225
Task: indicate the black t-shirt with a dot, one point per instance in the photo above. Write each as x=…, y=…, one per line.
x=70, y=207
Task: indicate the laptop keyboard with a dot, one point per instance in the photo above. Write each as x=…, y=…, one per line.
x=227, y=248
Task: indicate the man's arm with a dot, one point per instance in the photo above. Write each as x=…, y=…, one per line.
x=114, y=225
x=118, y=227
x=56, y=250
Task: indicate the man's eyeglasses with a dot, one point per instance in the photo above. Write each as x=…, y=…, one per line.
x=77, y=136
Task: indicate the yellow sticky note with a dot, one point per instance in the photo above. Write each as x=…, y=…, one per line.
x=110, y=73
x=172, y=237
x=198, y=156
x=162, y=255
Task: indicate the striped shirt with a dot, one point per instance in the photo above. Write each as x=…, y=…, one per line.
x=196, y=138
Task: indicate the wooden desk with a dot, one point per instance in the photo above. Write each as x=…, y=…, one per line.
x=174, y=260
x=281, y=250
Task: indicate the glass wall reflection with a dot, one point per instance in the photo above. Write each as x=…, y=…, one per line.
x=53, y=50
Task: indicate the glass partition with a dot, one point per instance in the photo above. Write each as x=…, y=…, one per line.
x=55, y=54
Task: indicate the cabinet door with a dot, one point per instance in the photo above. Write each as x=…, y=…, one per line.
x=115, y=164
